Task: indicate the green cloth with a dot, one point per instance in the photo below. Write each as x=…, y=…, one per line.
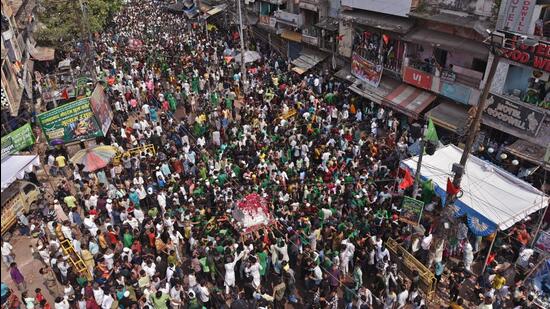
x=431, y=133
x=428, y=191
x=262, y=257
x=214, y=98
x=228, y=103
x=127, y=240
x=204, y=265
x=195, y=84
x=160, y=303
x=153, y=212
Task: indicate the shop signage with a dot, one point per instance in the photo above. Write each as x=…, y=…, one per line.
x=101, y=108
x=455, y=91
x=518, y=15
x=417, y=78
x=69, y=122
x=411, y=210
x=17, y=140
x=519, y=116
x=535, y=55
x=365, y=70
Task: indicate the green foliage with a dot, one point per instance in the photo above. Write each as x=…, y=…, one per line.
x=63, y=20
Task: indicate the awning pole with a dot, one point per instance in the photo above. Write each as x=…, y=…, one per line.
x=489, y=253
x=543, y=213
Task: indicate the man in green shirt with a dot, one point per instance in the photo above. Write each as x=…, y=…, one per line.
x=160, y=300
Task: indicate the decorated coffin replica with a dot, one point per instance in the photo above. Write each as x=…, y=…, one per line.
x=251, y=213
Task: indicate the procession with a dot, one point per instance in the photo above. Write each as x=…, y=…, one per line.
x=210, y=186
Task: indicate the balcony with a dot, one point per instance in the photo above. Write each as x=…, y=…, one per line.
x=312, y=5
x=311, y=36
x=458, y=83
x=293, y=20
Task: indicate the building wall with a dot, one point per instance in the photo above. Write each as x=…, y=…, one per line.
x=391, y=7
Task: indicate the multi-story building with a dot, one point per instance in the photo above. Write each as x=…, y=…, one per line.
x=518, y=109
x=18, y=55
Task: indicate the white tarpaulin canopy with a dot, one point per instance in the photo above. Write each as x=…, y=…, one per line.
x=249, y=56
x=15, y=167
x=492, y=198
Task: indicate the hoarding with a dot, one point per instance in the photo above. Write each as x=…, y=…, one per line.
x=411, y=210
x=517, y=115
x=417, y=78
x=69, y=122
x=17, y=140
x=365, y=70
x=101, y=108
x=518, y=15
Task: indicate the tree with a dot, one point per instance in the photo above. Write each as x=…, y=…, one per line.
x=62, y=20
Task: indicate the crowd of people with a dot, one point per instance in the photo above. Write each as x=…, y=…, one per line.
x=156, y=230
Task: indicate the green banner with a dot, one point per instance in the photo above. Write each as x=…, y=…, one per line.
x=411, y=210
x=69, y=122
x=17, y=140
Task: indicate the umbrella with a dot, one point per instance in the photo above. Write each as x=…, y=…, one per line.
x=95, y=158
x=249, y=56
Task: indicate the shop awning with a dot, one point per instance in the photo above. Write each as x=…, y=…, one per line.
x=329, y=24
x=345, y=74
x=41, y=53
x=380, y=21
x=216, y=10
x=375, y=94
x=528, y=151
x=291, y=36
x=308, y=59
x=409, y=100
x=15, y=167
x=449, y=115
x=447, y=41
x=492, y=199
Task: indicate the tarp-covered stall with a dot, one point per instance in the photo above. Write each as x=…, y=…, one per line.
x=15, y=167
x=492, y=198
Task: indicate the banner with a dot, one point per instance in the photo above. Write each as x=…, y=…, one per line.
x=99, y=102
x=17, y=140
x=365, y=70
x=411, y=210
x=69, y=122
x=517, y=115
x=518, y=15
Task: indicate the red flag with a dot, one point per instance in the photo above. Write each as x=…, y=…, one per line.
x=65, y=94
x=407, y=180
x=451, y=189
x=340, y=37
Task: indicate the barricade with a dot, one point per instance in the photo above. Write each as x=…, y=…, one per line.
x=134, y=152
x=408, y=263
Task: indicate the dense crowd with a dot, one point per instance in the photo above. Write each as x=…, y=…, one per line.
x=156, y=230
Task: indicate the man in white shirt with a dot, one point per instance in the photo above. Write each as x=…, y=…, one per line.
x=7, y=255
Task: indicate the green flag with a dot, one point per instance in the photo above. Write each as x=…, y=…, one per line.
x=431, y=134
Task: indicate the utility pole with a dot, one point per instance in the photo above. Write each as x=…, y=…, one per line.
x=87, y=35
x=243, y=65
x=422, y=144
x=474, y=127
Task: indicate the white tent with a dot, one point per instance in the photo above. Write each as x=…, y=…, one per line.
x=15, y=167
x=492, y=198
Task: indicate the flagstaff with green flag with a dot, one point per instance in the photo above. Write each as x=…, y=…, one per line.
x=429, y=136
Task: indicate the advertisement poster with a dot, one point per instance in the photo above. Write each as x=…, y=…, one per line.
x=365, y=70
x=411, y=210
x=455, y=91
x=101, y=108
x=17, y=140
x=543, y=242
x=69, y=122
x=417, y=78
